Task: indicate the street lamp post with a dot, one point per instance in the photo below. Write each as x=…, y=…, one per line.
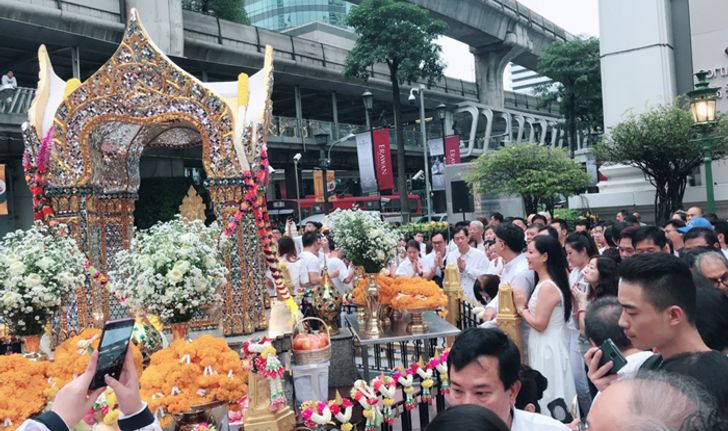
x=423, y=129
x=296, y=159
x=322, y=139
x=441, y=113
x=367, y=99
x=702, y=108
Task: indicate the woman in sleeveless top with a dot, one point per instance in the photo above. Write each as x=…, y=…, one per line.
x=547, y=312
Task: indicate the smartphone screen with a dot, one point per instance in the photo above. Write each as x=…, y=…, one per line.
x=112, y=350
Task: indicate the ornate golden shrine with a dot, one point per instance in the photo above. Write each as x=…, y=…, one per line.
x=140, y=99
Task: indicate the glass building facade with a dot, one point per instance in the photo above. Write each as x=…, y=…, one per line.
x=282, y=14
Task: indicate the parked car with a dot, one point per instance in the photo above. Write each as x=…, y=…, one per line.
x=433, y=217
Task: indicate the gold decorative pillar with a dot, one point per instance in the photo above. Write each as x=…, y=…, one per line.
x=508, y=319
x=244, y=306
x=259, y=417
x=454, y=292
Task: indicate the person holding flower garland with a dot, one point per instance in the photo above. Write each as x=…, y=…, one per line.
x=74, y=400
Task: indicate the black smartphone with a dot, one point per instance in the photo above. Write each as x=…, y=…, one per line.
x=610, y=352
x=112, y=350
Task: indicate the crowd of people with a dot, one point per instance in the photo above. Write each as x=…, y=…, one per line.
x=657, y=294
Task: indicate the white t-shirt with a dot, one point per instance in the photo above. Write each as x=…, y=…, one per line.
x=526, y=421
x=334, y=264
x=311, y=262
x=476, y=264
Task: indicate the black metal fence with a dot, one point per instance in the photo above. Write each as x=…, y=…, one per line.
x=466, y=318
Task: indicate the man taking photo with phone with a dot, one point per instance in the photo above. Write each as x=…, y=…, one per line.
x=658, y=299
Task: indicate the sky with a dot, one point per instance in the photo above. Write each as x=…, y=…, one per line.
x=579, y=17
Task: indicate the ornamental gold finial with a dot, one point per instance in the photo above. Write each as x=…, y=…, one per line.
x=507, y=319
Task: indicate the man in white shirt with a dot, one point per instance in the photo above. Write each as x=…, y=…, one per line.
x=509, y=245
x=433, y=265
x=483, y=366
x=9, y=83
x=475, y=232
x=470, y=262
x=310, y=257
x=411, y=266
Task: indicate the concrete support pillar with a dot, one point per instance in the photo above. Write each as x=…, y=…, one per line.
x=299, y=115
x=490, y=62
x=163, y=20
x=335, y=111
x=76, y=62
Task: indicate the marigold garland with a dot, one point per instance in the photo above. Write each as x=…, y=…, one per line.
x=71, y=357
x=24, y=390
x=192, y=373
x=417, y=293
x=387, y=290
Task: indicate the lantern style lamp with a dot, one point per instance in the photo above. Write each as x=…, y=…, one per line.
x=702, y=107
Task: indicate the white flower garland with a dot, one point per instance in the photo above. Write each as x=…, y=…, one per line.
x=170, y=270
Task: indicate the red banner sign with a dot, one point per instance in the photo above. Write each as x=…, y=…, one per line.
x=383, y=159
x=452, y=150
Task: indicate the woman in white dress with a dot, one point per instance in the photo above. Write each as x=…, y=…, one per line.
x=547, y=312
x=289, y=258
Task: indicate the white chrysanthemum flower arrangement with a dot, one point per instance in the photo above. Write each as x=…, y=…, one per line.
x=170, y=270
x=365, y=239
x=40, y=268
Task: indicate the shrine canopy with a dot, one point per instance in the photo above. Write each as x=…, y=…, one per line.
x=139, y=98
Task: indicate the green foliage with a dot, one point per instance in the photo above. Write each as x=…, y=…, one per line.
x=574, y=65
x=231, y=10
x=660, y=142
x=397, y=33
x=401, y=35
x=427, y=228
x=539, y=174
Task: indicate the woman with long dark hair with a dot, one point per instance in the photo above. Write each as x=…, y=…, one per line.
x=547, y=312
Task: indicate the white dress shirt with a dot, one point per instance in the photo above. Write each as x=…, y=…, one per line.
x=428, y=262
x=476, y=264
x=517, y=274
x=334, y=264
x=407, y=269
x=311, y=262
x=527, y=421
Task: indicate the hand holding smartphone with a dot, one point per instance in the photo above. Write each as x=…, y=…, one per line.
x=112, y=350
x=610, y=352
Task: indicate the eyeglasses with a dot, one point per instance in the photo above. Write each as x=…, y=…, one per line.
x=718, y=280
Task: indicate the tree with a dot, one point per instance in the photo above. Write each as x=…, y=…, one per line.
x=660, y=142
x=401, y=35
x=539, y=174
x=231, y=10
x=574, y=65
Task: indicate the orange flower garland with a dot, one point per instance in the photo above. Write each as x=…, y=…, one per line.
x=186, y=374
x=24, y=390
x=386, y=290
x=71, y=357
x=417, y=293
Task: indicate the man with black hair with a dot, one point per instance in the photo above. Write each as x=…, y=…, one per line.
x=624, y=243
x=539, y=218
x=509, y=245
x=433, y=264
x=562, y=227
x=620, y=215
x=495, y=219
x=581, y=226
x=649, y=239
x=483, y=366
x=470, y=261
x=721, y=231
x=658, y=299
x=673, y=235
x=701, y=237
x=601, y=322
x=310, y=256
